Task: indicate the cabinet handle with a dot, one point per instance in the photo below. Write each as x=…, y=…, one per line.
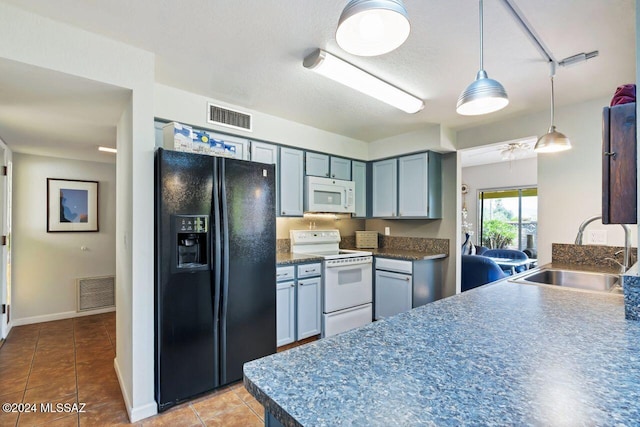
x=284, y=213
x=292, y=285
x=333, y=176
x=326, y=174
x=610, y=153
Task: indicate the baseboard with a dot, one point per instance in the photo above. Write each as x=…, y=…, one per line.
x=135, y=414
x=59, y=316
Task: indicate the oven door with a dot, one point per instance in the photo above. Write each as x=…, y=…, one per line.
x=347, y=285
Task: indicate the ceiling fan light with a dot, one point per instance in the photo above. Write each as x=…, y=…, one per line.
x=372, y=27
x=552, y=142
x=483, y=96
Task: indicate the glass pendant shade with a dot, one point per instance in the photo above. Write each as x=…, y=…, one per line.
x=372, y=27
x=483, y=96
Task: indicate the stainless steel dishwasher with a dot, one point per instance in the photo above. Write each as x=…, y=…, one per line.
x=394, y=287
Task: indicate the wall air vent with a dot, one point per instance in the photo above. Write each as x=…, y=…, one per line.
x=230, y=118
x=96, y=292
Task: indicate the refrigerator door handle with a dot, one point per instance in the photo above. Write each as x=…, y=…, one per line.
x=225, y=271
x=216, y=261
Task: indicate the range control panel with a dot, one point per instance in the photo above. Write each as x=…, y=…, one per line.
x=308, y=237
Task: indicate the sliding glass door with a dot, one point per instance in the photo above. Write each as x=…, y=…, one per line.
x=509, y=218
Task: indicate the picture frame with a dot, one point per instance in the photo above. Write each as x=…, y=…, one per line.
x=72, y=205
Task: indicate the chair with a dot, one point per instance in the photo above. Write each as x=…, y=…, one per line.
x=480, y=250
x=510, y=254
x=479, y=270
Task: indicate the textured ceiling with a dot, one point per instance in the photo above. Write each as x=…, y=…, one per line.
x=249, y=53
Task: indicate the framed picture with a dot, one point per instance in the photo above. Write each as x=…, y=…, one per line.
x=72, y=205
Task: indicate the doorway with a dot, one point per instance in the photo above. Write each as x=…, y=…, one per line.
x=5, y=240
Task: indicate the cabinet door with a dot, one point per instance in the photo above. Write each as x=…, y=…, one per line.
x=619, y=182
x=340, y=168
x=393, y=294
x=285, y=313
x=384, y=181
x=264, y=153
x=316, y=164
x=359, y=176
x=291, y=182
x=413, y=184
x=236, y=148
x=308, y=304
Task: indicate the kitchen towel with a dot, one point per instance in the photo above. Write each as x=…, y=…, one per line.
x=624, y=95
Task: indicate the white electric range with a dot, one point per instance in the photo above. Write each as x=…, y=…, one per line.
x=347, y=275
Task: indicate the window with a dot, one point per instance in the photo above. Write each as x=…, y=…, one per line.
x=509, y=218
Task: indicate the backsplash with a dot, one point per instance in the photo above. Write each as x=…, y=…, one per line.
x=418, y=244
x=591, y=255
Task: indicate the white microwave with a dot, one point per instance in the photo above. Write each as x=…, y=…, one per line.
x=329, y=195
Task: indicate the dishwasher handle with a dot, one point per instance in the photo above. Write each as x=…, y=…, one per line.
x=400, y=276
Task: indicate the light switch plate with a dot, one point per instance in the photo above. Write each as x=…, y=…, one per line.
x=597, y=237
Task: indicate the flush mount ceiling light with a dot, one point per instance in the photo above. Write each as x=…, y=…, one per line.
x=372, y=27
x=349, y=75
x=553, y=141
x=484, y=95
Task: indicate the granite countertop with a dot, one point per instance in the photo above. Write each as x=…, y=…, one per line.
x=287, y=258
x=501, y=354
x=405, y=255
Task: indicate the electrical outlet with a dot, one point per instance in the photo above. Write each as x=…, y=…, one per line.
x=387, y=231
x=597, y=237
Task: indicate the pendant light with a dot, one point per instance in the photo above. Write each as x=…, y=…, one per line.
x=372, y=27
x=553, y=141
x=484, y=95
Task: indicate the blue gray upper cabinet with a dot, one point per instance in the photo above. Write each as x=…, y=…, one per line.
x=384, y=181
x=340, y=168
x=407, y=187
x=359, y=177
x=291, y=181
x=318, y=164
x=264, y=153
x=267, y=153
x=420, y=186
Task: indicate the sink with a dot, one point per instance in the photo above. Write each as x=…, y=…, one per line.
x=600, y=282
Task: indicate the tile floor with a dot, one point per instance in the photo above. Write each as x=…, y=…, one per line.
x=71, y=362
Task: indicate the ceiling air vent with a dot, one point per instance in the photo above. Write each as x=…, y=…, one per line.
x=230, y=118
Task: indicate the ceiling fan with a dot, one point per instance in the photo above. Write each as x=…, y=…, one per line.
x=514, y=150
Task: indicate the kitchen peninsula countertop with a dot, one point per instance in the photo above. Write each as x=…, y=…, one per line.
x=500, y=354
x=288, y=258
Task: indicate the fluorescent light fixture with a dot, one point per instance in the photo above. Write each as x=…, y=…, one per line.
x=372, y=27
x=483, y=95
x=107, y=149
x=349, y=75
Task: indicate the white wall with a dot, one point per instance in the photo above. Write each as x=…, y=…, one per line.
x=569, y=182
x=46, y=265
x=38, y=41
x=189, y=108
x=495, y=175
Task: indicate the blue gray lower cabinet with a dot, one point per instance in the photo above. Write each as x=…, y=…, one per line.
x=500, y=354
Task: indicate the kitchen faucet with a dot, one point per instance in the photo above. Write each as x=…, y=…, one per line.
x=627, y=241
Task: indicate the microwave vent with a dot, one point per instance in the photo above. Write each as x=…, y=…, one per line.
x=230, y=118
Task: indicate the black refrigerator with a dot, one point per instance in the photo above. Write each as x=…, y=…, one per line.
x=215, y=298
